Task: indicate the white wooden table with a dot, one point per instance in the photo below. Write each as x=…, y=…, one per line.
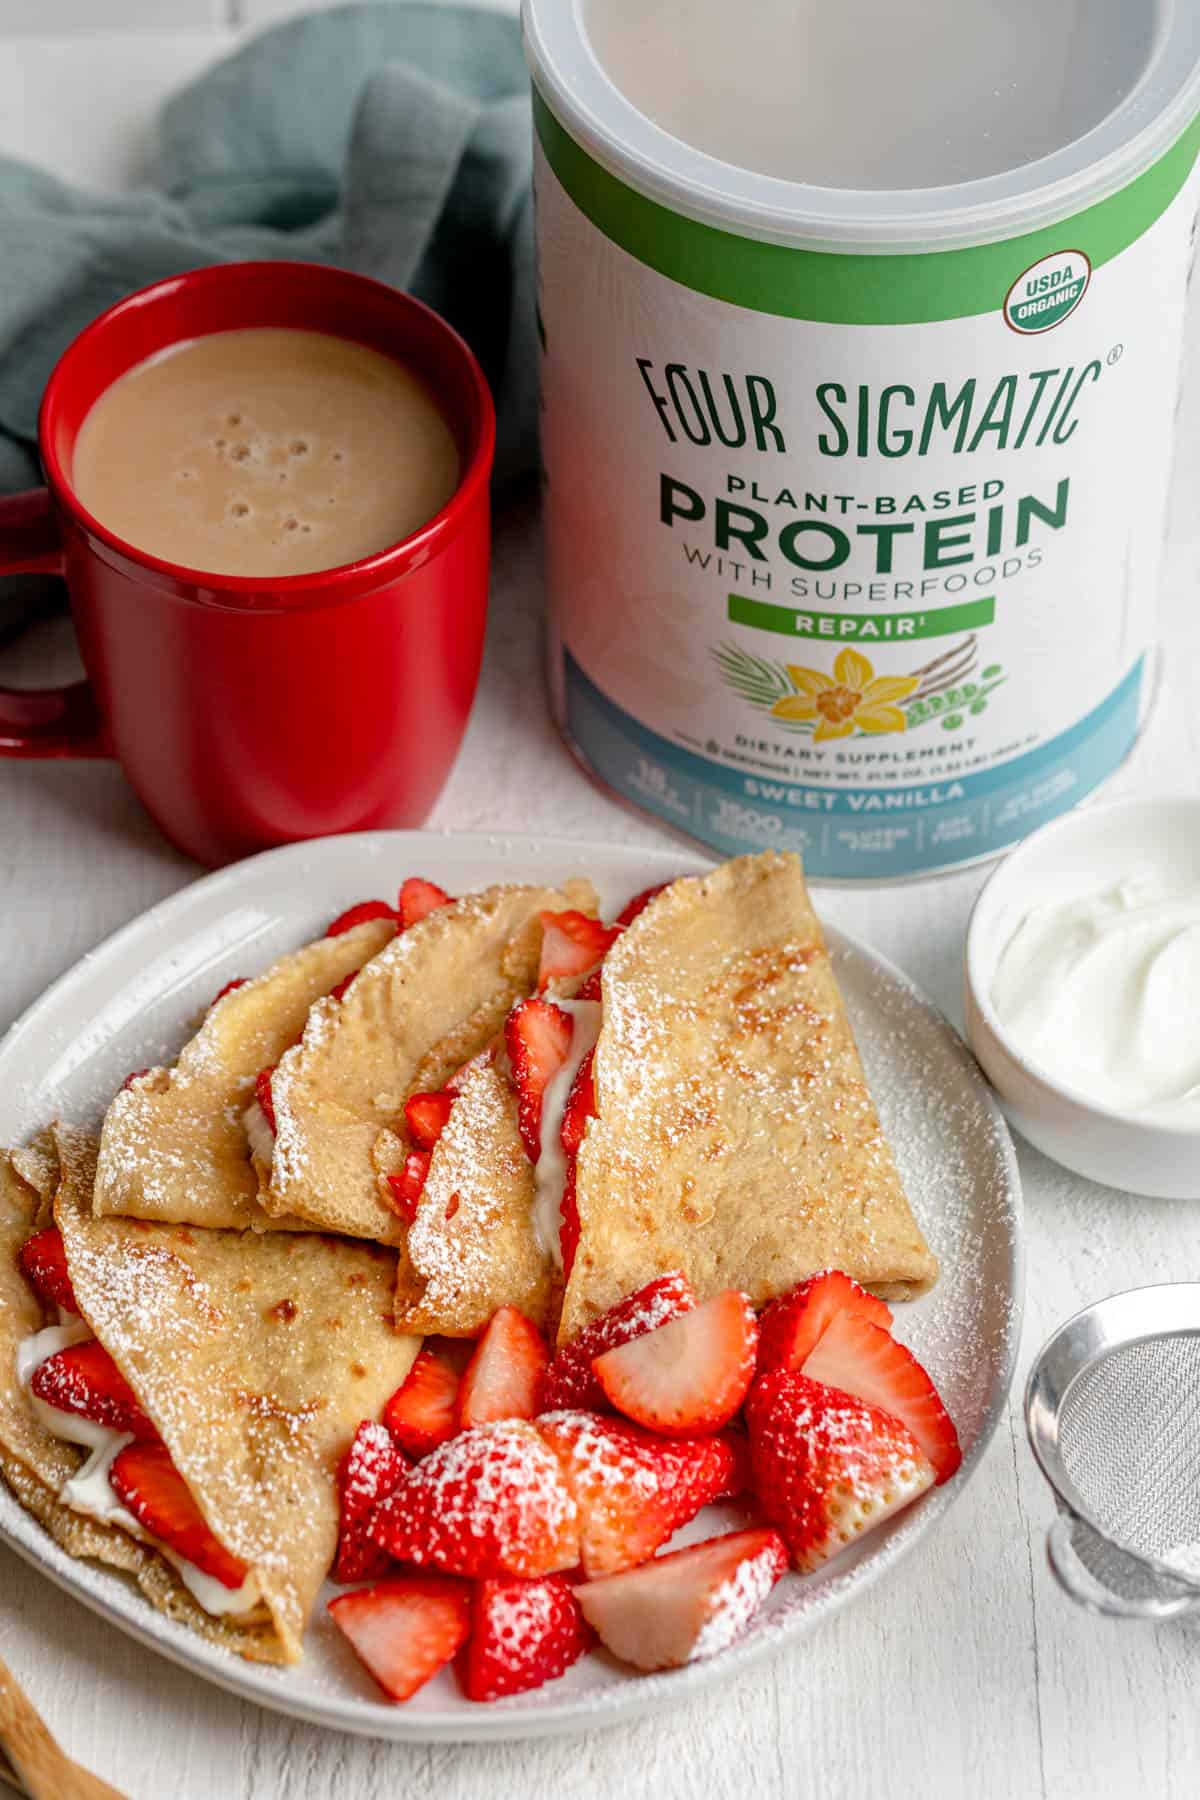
x=966, y=1672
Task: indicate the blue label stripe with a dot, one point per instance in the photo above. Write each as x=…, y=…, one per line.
x=847, y=832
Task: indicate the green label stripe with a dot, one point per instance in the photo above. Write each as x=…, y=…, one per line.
x=828, y=286
x=861, y=628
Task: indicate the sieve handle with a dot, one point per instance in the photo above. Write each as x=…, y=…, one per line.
x=1077, y=1580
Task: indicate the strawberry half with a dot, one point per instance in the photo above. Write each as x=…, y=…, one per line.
x=632, y=1489
x=861, y=1358
x=581, y=1105
x=790, y=1327
x=688, y=1376
x=827, y=1467
x=537, y=1036
x=418, y=898
x=687, y=1605
x=501, y=1380
x=425, y=1115
x=572, y=943
x=568, y=1219
x=406, y=1188
x=360, y=914
x=83, y=1379
x=145, y=1480
x=523, y=1633
x=405, y=1630
x=640, y=902
x=367, y=1474
x=592, y=986
x=43, y=1262
x=490, y=1502
x=264, y=1096
x=569, y=1380
x=423, y=1411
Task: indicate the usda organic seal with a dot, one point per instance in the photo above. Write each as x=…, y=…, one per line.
x=1048, y=292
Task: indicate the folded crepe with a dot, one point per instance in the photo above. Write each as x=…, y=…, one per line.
x=735, y=1136
x=473, y=1245
x=429, y=1003
x=254, y=1356
x=174, y=1146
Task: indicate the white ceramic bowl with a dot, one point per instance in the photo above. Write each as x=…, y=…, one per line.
x=1077, y=854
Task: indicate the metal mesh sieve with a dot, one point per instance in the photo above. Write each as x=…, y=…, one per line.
x=1129, y=1439
x=1113, y=1410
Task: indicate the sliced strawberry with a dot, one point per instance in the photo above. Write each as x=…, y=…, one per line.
x=423, y=1411
x=405, y=1630
x=569, y=1380
x=791, y=1325
x=133, y=1075
x=706, y=1470
x=537, y=1035
x=861, y=1358
x=581, y=1104
x=490, y=1502
x=687, y=1605
x=83, y=1379
x=367, y=1474
x=425, y=1115
x=568, y=1219
x=827, y=1467
x=688, y=1376
x=571, y=944
x=632, y=1489
x=740, y=1478
x=360, y=914
x=43, y=1263
x=592, y=986
x=501, y=1380
x=523, y=1633
x=640, y=902
x=417, y=898
x=406, y=1188
x=580, y=1107
x=237, y=982
x=264, y=1096
x=146, y=1481
x=339, y=991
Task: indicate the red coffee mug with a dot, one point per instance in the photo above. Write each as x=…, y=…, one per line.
x=248, y=713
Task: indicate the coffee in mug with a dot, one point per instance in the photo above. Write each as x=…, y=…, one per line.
x=265, y=452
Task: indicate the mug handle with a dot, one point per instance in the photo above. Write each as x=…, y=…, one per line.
x=43, y=722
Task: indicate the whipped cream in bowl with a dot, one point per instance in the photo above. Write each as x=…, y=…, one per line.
x=1082, y=992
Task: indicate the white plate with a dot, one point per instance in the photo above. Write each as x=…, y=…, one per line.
x=133, y=1001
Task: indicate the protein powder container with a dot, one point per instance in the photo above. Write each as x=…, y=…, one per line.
x=860, y=332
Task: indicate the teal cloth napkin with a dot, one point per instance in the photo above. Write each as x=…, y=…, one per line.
x=391, y=138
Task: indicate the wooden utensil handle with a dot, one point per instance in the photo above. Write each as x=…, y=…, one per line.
x=46, y=1772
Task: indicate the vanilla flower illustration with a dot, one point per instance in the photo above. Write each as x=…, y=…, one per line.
x=853, y=699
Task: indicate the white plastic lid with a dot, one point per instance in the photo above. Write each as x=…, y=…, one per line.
x=1161, y=95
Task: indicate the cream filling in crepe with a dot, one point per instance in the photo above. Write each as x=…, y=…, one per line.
x=550, y=1172
x=259, y=1135
x=91, y=1492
